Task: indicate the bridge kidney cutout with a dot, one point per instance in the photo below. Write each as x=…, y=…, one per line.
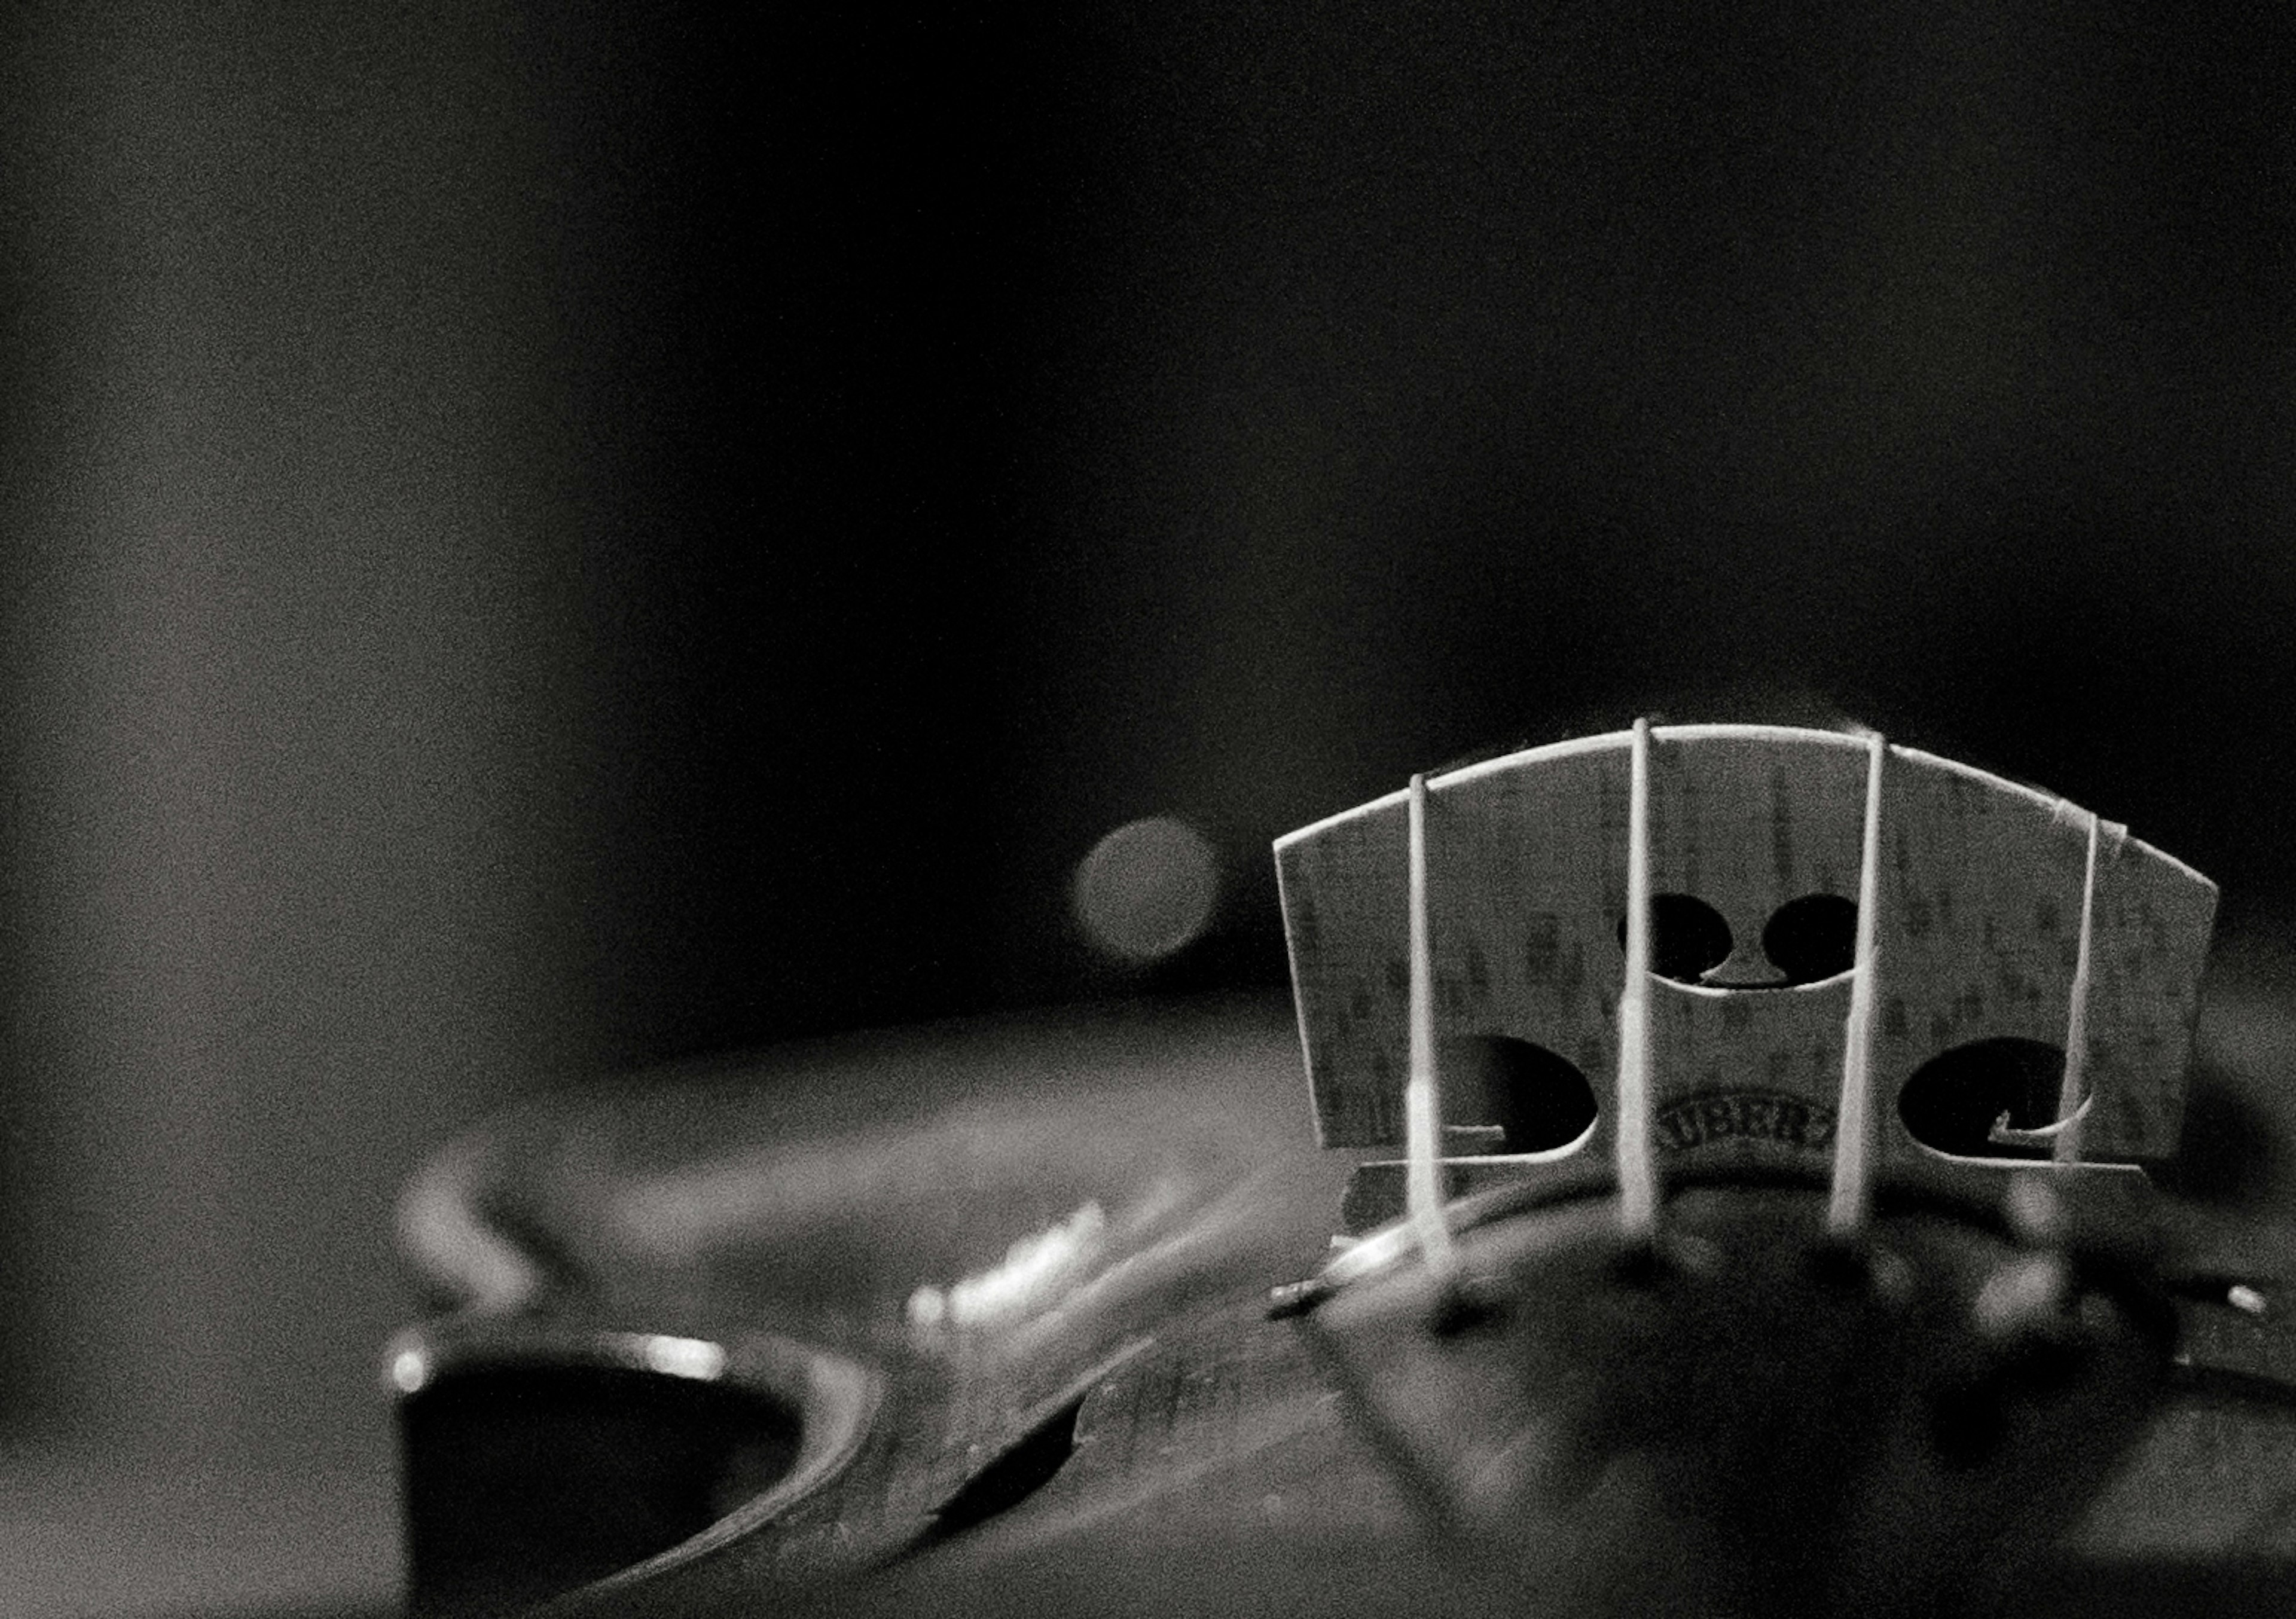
x=1538, y=1098
x=1813, y=937
x=1808, y=940
x=1951, y=1102
x=1688, y=937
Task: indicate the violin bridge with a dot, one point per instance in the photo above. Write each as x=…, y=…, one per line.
x=2020, y=962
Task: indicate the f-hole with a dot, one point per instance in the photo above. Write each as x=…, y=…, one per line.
x=1538, y=1098
x=1952, y=1101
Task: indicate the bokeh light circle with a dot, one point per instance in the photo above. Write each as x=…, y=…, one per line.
x=1147, y=889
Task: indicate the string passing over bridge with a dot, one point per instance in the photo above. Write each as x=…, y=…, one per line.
x=1695, y=952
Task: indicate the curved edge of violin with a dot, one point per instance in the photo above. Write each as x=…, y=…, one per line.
x=527, y=1331
x=629, y=1243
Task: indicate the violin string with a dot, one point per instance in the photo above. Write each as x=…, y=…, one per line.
x=2066, y=1148
x=1421, y=1483
x=1853, y=1138
x=1638, y=1177
x=1422, y=1118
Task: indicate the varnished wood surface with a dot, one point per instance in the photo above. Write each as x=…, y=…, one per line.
x=811, y=1192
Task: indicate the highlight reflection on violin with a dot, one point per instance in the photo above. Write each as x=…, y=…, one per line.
x=1770, y=1231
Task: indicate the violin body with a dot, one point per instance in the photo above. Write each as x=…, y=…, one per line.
x=1007, y=1314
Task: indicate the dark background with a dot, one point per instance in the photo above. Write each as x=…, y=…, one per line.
x=1228, y=412
x=543, y=538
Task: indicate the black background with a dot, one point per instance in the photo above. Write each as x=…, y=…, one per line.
x=1227, y=410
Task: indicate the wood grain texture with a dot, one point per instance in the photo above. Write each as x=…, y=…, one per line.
x=1978, y=933
x=806, y=1193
